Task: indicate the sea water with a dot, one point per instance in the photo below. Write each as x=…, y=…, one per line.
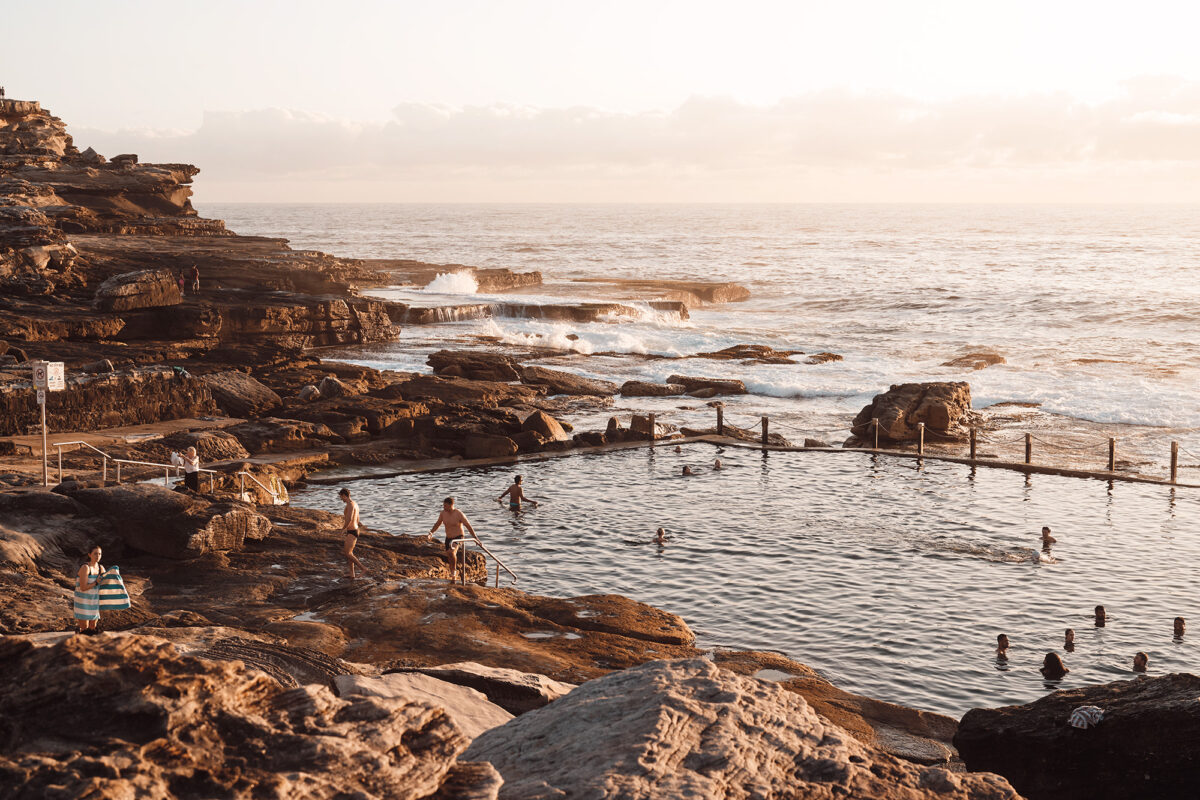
x=891, y=578
x=1096, y=309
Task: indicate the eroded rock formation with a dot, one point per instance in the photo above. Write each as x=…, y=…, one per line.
x=945, y=408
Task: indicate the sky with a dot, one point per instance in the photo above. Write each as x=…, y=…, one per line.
x=562, y=101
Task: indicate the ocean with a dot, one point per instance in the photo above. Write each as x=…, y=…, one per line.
x=1094, y=308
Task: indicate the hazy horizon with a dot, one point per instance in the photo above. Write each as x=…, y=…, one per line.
x=536, y=101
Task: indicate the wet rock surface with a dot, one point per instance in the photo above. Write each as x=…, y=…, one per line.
x=676, y=729
x=559, y=382
x=1139, y=749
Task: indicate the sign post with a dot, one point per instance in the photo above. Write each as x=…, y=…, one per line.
x=48, y=376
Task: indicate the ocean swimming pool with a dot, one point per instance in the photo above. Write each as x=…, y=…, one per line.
x=890, y=577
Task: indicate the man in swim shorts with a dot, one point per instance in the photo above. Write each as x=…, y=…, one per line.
x=350, y=525
x=516, y=495
x=454, y=520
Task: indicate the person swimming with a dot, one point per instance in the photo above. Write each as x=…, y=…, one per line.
x=1047, y=539
x=1140, y=662
x=660, y=536
x=1101, y=617
x=687, y=471
x=516, y=495
x=1053, y=668
x=1069, y=640
x=717, y=464
x=678, y=449
x=1180, y=627
x=1002, y=646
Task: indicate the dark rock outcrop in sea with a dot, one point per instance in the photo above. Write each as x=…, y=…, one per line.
x=944, y=407
x=1143, y=746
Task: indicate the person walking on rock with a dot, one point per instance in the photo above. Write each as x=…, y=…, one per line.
x=350, y=526
x=516, y=494
x=87, y=592
x=454, y=520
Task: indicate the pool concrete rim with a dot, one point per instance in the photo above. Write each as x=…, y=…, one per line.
x=346, y=474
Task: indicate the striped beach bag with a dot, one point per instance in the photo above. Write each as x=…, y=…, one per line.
x=113, y=596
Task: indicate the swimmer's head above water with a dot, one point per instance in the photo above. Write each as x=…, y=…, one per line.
x=1053, y=667
x=1140, y=662
x=1180, y=626
x=1001, y=644
x=660, y=535
x=1101, y=616
x=688, y=471
x=717, y=464
x=1046, y=537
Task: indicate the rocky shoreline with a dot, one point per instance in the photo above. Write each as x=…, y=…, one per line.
x=247, y=666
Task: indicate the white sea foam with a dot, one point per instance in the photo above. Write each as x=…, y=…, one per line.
x=453, y=283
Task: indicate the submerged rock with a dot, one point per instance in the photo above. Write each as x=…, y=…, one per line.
x=975, y=361
x=1141, y=748
x=688, y=729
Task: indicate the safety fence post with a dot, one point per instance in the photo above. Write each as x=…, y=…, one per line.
x=1029, y=448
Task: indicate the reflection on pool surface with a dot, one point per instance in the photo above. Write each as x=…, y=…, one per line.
x=891, y=579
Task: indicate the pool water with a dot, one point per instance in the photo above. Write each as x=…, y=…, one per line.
x=890, y=577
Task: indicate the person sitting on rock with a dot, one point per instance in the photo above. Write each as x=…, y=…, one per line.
x=1069, y=640
x=1002, y=646
x=516, y=495
x=1053, y=668
x=87, y=592
x=1140, y=661
x=350, y=531
x=1180, y=627
x=454, y=520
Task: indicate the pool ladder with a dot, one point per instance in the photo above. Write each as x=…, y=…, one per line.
x=460, y=546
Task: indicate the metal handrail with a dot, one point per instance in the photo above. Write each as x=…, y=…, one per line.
x=167, y=468
x=242, y=485
x=455, y=544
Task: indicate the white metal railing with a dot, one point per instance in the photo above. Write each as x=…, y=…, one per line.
x=242, y=475
x=167, y=469
x=457, y=545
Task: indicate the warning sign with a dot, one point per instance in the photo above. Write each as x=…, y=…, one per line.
x=49, y=376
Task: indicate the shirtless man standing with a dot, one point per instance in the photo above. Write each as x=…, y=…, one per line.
x=516, y=494
x=350, y=526
x=454, y=520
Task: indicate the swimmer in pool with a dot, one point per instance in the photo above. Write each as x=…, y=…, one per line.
x=516, y=495
x=1069, y=640
x=1101, y=617
x=1053, y=667
x=660, y=536
x=678, y=449
x=1140, y=662
x=1047, y=539
x=1180, y=627
x=1002, y=646
x=717, y=464
x=687, y=471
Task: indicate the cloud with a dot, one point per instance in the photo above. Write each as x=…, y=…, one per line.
x=829, y=145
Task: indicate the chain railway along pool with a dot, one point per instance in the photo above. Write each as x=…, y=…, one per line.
x=890, y=576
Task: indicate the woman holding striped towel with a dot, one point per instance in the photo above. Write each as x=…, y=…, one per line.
x=87, y=592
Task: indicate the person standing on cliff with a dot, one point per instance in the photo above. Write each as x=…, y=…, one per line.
x=350, y=526
x=182, y=284
x=195, y=279
x=516, y=494
x=454, y=520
